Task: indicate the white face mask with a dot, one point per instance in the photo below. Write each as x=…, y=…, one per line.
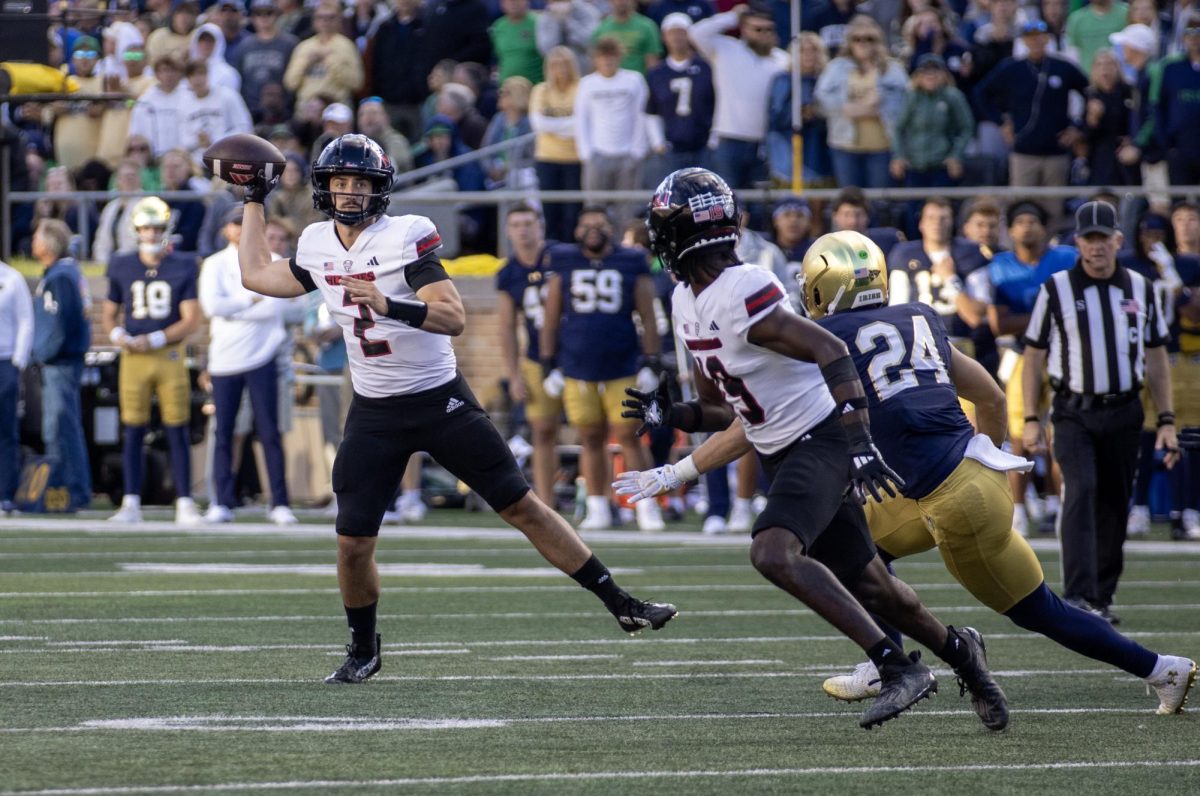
x=152, y=250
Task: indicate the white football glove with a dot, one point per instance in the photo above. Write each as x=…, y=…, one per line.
x=647, y=380
x=643, y=485
x=554, y=383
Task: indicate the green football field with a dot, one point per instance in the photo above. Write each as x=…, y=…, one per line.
x=139, y=661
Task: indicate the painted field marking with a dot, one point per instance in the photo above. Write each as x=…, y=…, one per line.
x=583, y=776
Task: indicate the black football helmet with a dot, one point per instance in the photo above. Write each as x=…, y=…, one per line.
x=692, y=209
x=358, y=155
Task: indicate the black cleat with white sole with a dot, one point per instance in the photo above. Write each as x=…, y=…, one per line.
x=635, y=615
x=901, y=687
x=356, y=668
x=986, y=697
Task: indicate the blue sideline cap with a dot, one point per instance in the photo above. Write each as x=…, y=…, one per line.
x=1034, y=26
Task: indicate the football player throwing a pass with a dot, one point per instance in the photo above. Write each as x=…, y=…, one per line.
x=797, y=396
x=382, y=280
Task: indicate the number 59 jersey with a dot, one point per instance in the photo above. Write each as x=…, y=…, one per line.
x=150, y=297
x=398, y=254
x=776, y=398
x=902, y=354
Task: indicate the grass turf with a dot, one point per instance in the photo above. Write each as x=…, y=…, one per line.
x=117, y=676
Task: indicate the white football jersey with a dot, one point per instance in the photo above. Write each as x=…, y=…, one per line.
x=387, y=357
x=777, y=398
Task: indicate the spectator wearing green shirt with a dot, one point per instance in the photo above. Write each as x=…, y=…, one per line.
x=514, y=40
x=638, y=35
x=1089, y=27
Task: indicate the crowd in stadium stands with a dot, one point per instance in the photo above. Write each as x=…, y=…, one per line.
x=619, y=93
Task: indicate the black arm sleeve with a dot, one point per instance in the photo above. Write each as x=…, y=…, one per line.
x=303, y=277
x=425, y=271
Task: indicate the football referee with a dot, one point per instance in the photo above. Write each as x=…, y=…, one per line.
x=1100, y=329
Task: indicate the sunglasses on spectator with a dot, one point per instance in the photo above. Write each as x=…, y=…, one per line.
x=326, y=17
x=864, y=40
x=761, y=28
x=138, y=148
x=264, y=12
x=86, y=54
x=133, y=55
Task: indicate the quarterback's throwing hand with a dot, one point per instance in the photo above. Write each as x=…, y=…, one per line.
x=652, y=407
x=361, y=291
x=648, y=484
x=869, y=474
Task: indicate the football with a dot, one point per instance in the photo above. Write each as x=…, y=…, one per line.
x=237, y=159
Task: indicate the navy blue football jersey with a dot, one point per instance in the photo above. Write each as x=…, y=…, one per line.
x=597, y=339
x=902, y=354
x=527, y=287
x=151, y=296
x=685, y=99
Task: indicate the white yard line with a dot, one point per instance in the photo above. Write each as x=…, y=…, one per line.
x=584, y=776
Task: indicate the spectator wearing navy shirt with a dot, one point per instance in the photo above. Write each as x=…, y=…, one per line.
x=818, y=161
x=397, y=64
x=1029, y=98
x=1177, y=109
x=1107, y=120
x=679, y=109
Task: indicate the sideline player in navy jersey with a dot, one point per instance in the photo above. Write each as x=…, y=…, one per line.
x=797, y=398
x=955, y=494
x=591, y=354
x=155, y=291
x=521, y=283
x=382, y=281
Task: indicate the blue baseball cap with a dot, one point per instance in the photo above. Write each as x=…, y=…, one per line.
x=791, y=204
x=1034, y=26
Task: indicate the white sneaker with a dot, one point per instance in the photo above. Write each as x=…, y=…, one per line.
x=186, y=512
x=1171, y=679
x=127, y=515
x=649, y=516
x=282, y=515
x=863, y=683
x=412, y=510
x=758, y=503
x=331, y=510
x=741, y=516
x=714, y=525
x=599, y=514
x=1020, y=520
x=1191, y=523
x=1138, y=523
x=217, y=514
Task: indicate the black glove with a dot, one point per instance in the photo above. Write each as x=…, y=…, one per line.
x=1189, y=438
x=869, y=472
x=652, y=408
x=258, y=188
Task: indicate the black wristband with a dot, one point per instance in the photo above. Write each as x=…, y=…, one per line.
x=1166, y=419
x=548, y=364
x=1032, y=419
x=652, y=361
x=410, y=313
x=687, y=417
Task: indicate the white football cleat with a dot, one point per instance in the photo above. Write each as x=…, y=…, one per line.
x=1191, y=523
x=282, y=515
x=412, y=511
x=218, y=514
x=1171, y=679
x=714, y=525
x=649, y=516
x=1138, y=523
x=128, y=514
x=862, y=684
x=741, y=516
x=599, y=514
x=186, y=512
x=1020, y=521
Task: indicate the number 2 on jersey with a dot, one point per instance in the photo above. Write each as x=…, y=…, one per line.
x=364, y=322
x=924, y=357
x=735, y=391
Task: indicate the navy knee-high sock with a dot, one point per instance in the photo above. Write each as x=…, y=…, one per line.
x=131, y=459
x=1043, y=612
x=892, y=633
x=181, y=459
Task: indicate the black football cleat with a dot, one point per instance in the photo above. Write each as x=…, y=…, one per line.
x=901, y=687
x=356, y=668
x=636, y=615
x=986, y=697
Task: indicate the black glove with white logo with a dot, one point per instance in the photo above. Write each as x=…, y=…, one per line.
x=869, y=473
x=652, y=408
x=259, y=187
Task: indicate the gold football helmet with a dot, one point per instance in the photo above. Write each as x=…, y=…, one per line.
x=152, y=213
x=843, y=271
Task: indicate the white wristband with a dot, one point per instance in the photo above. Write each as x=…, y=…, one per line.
x=685, y=469
x=118, y=335
x=157, y=339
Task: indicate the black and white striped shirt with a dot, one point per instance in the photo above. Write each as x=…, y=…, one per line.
x=1097, y=331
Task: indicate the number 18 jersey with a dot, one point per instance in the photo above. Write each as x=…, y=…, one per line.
x=398, y=253
x=150, y=297
x=776, y=398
